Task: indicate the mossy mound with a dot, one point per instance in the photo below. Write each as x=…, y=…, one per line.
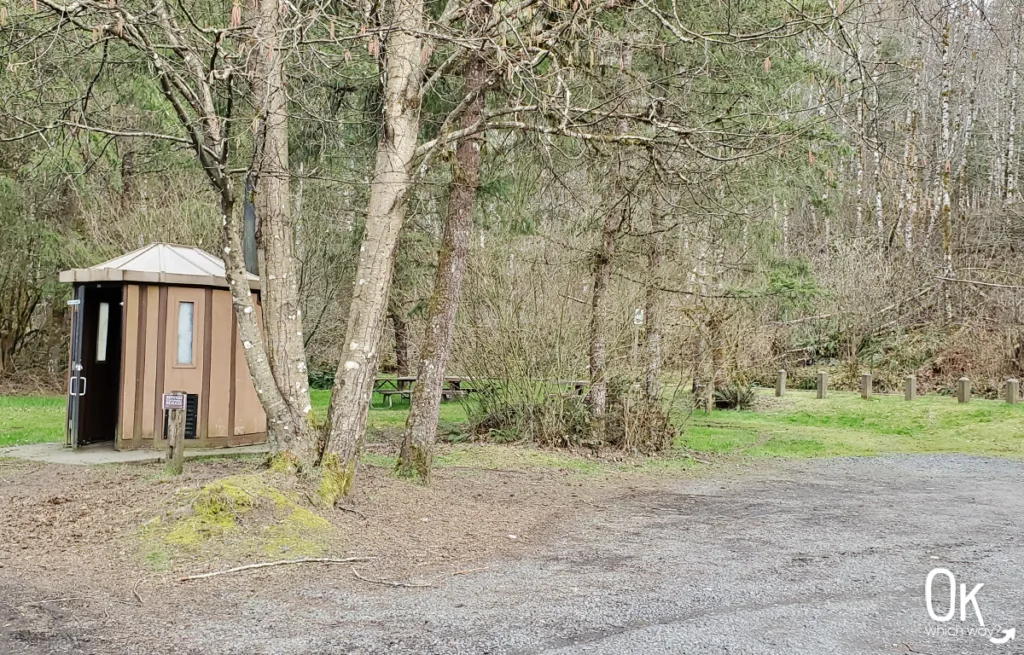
x=237, y=517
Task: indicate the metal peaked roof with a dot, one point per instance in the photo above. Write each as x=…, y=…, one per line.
x=159, y=263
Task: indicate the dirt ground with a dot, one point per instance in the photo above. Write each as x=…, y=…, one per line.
x=74, y=577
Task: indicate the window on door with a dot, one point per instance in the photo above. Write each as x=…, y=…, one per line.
x=186, y=314
x=102, y=330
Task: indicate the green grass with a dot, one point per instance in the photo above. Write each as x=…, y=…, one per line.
x=387, y=417
x=800, y=425
x=31, y=419
x=40, y=419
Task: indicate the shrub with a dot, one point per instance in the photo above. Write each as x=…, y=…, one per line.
x=735, y=395
x=553, y=418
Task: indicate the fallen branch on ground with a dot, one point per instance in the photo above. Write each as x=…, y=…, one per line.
x=353, y=511
x=263, y=565
x=135, y=588
x=68, y=600
x=468, y=571
x=389, y=582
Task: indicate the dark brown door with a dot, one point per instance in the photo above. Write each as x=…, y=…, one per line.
x=98, y=387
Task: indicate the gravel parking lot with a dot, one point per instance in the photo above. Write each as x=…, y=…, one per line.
x=824, y=556
x=790, y=557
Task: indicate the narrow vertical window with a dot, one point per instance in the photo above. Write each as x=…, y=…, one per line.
x=185, y=313
x=102, y=328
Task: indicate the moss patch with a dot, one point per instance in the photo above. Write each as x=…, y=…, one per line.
x=335, y=479
x=240, y=516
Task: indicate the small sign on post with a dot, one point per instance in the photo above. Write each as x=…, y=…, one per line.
x=638, y=321
x=174, y=400
x=174, y=404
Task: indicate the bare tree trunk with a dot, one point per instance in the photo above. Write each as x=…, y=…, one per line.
x=417, y=453
x=908, y=181
x=968, y=112
x=282, y=420
x=876, y=152
x=598, y=395
x=859, y=155
x=208, y=133
x=403, y=341
x=353, y=381
x=1010, y=165
x=944, y=177
x=652, y=312
x=282, y=313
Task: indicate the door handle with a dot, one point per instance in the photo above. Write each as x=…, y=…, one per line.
x=71, y=386
x=85, y=383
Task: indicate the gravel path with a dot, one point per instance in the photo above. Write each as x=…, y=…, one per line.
x=824, y=556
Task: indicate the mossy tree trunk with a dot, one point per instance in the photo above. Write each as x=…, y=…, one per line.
x=417, y=454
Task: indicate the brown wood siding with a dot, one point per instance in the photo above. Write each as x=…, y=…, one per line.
x=184, y=377
x=151, y=368
x=222, y=318
x=204, y=398
x=161, y=360
x=248, y=412
x=232, y=387
x=129, y=362
x=140, y=359
x=229, y=411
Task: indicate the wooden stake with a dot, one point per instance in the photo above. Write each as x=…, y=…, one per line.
x=175, y=437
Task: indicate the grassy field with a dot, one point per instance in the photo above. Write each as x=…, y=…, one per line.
x=798, y=425
x=39, y=419
x=31, y=419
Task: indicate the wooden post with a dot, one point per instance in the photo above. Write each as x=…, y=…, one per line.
x=910, y=388
x=822, y=384
x=780, y=384
x=174, y=404
x=963, y=390
x=1012, y=391
x=865, y=386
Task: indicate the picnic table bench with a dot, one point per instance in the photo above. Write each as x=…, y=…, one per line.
x=579, y=386
x=401, y=386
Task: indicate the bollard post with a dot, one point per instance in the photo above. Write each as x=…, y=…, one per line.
x=822, y=384
x=910, y=387
x=865, y=386
x=174, y=404
x=1012, y=391
x=780, y=384
x=963, y=390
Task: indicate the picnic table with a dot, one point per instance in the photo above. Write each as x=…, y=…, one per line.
x=579, y=386
x=390, y=386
